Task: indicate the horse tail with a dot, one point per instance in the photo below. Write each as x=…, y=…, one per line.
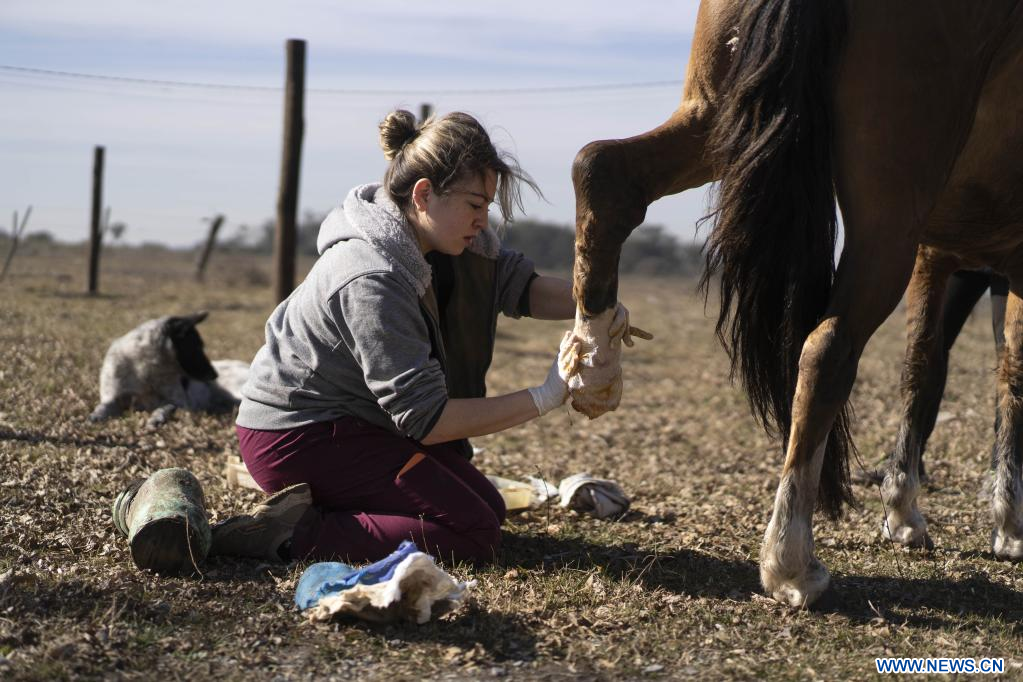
x=774, y=223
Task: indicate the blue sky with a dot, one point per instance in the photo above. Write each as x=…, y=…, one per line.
x=176, y=155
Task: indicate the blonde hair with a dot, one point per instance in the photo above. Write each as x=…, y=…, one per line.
x=446, y=150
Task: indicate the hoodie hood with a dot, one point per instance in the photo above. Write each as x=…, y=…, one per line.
x=368, y=214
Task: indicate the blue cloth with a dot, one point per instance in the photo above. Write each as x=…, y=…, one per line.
x=330, y=577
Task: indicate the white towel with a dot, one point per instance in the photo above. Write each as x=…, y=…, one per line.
x=599, y=496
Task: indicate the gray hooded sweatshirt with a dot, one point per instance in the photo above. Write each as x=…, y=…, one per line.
x=357, y=337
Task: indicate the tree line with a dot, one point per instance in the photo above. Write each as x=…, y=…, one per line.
x=650, y=250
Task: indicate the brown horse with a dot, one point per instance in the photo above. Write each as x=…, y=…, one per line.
x=912, y=113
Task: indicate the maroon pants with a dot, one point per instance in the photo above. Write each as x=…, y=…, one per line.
x=373, y=489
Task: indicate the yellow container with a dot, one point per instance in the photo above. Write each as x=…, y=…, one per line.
x=516, y=494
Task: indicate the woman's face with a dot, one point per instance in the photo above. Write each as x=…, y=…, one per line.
x=449, y=222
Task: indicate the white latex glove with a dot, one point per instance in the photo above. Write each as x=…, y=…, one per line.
x=553, y=392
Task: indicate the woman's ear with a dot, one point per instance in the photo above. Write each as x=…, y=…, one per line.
x=422, y=191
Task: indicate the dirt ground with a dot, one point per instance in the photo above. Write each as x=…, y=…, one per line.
x=668, y=591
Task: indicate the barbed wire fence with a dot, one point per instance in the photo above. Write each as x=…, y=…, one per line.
x=203, y=91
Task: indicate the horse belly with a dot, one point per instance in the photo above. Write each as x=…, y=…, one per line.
x=979, y=215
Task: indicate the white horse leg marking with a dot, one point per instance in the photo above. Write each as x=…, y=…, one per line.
x=903, y=522
x=789, y=571
x=1007, y=537
x=1007, y=492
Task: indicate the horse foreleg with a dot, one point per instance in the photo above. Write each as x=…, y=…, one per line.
x=615, y=181
x=865, y=292
x=923, y=382
x=1007, y=493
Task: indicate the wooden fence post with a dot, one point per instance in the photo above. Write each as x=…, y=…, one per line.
x=287, y=197
x=16, y=233
x=95, y=231
x=200, y=268
x=425, y=111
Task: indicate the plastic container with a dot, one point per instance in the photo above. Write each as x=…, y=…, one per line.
x=515, y=493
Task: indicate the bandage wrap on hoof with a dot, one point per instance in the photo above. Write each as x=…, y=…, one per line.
x=590, y=362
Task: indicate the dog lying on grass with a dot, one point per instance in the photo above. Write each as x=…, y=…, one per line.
x=160, y=366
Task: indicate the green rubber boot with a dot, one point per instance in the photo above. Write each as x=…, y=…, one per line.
x=165, y=520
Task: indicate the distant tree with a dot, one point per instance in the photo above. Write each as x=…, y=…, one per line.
x=42, y=238
x=308, y=230
x=263, y=242
x=548, y=245
x=551, y=246
x=649, y=250
x=239, y=241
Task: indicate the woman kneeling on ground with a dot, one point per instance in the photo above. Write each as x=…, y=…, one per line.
x=358, y=407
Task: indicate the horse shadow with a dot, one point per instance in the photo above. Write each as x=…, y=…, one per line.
x=681, y=571
x=930, y=603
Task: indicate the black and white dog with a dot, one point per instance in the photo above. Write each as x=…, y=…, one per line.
x=160, y=366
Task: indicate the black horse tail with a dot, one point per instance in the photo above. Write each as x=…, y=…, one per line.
x=774, y=224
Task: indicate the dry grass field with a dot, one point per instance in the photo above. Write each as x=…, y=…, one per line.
x=668, y=591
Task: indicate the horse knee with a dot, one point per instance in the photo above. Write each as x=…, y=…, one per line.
x=595, y=163
x=605, y=185
x=828, y=361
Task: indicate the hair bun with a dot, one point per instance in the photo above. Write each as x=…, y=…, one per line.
x=397, y=130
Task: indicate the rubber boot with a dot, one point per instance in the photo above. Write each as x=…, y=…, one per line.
x=165, y=519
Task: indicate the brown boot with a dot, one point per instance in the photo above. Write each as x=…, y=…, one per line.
x=261, y=532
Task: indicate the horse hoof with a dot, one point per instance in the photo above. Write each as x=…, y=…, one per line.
x=910, y=535
x=799, y=592
x=1006, y=547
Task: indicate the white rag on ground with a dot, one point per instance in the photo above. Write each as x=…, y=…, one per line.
x=407, y=585
x=601, y=497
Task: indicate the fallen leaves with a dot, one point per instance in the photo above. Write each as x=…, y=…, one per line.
x=669, y=591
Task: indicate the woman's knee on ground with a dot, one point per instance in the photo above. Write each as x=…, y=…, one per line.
x=481, y=546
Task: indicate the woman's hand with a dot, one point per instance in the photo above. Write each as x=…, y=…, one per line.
x=621, y=330
x=586, y=366
x=468, y=417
